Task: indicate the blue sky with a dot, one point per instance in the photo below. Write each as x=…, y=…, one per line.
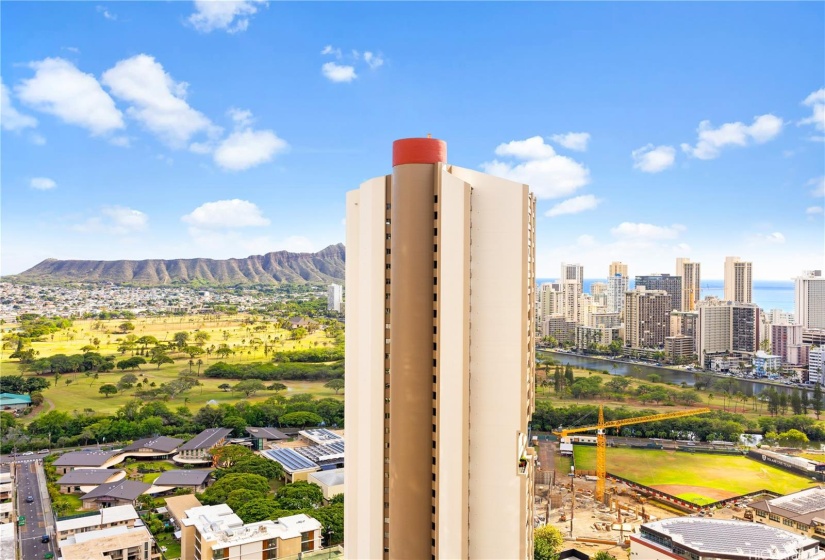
x=183, y=129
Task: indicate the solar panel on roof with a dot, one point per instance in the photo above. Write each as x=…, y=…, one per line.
x=290, y=460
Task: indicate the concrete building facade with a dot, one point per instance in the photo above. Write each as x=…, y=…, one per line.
x=664, y=282
x=335, y=297
x=691, y=275
x=727, y=327
x=738, y=280
x=809, y=297
x=440, y=268
x=617, y=286
x=647, y=317
x=815, y=361
x=617, y=268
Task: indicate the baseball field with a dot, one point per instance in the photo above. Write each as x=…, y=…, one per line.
x=699, y=478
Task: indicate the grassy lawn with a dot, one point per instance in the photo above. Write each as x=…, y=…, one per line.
x=697, y=477
x=74, y=500
x=149, y=478
x=82, y=392
x=171, y=543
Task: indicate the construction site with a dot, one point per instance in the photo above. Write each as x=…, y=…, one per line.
x=592, y=525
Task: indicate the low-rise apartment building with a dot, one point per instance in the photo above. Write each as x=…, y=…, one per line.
x=117, y=516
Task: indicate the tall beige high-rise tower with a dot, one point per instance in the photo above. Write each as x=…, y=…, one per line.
x=691, y=283
x=738, y=280
x=440, y=284
x=617, y=268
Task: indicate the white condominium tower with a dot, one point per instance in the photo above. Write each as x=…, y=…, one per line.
x=691, y=283
x=809, y=295
x=334, y=295
x=619, y=268
x=440, y=361
x=617, y=285
x=738, y=280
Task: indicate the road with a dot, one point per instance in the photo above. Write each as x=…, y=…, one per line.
x=21, y=459
x=28, y=483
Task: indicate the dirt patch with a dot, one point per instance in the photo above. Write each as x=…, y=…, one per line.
x=714, y=494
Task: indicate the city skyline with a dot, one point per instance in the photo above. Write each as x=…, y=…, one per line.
x=254, y=151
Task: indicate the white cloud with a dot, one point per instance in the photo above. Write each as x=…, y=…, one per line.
x=241, y=117
x=117, y=220
x=772, y=238
x=42, y=183
x=247, y=148
x=37, y=139
x=816, y=101
x=373, y=60
x=818, y=184
x=574, y=205
x=330, y=50
x=231, y=16
x=814, y=210
x=106, y=13
x=157, y=101
x=586, y=240
x=121, y=141
x=548, y=174
x=60, y=89
x=11, y=118
x=652, y=159
x=226, y=214
x=338, y=72
x=642, y=231
x=712, y=140
x=572, y=140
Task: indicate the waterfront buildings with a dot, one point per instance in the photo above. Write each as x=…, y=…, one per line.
x=727, y=327
x=738, y=280
x=786, y=341
x=335, y=294
x=617, y=286
x=809, y=295
x=550, y=300
x=665, y=282
x=647, y=317
x=690, y=272
x=765, y=364
x=440, y=282
x=815, y=365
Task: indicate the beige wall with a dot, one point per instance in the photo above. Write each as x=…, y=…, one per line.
x=364, y=398
x=499, y=499
x=452, y=482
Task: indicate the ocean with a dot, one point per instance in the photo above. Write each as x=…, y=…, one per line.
x=766, y=294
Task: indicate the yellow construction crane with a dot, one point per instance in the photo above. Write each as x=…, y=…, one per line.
x=601, y=437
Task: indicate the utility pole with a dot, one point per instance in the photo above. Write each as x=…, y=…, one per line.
x=573, y=496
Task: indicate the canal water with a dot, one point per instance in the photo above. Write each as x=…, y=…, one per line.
x=641, y=371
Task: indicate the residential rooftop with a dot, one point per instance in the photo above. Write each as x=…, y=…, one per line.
x=220, y=526
x=159, y=443
x=207, y=439
x=266, y=433
x=87, y=477
x=121, y=490
x=106, y=516
x=85, y=458
x=97, y=545
x=192, y=477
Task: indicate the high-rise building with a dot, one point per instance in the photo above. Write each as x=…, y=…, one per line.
x=571, y=294
x=727, y=327
x=809, y=295
x=815, y=361
x=665, y=282
x=334, y=297
x=780, y=316
x=738, y=280
x=647, y=317
x=440, y=281
x=572, y=272
x=550, y=300
x=617, y=286
x=691, y=283
x=617, y=268
x=783, y=337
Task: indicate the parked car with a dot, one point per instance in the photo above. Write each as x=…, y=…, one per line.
x=45, y=539
x=29, y=499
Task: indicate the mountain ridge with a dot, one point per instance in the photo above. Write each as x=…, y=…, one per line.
x=277, y=267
